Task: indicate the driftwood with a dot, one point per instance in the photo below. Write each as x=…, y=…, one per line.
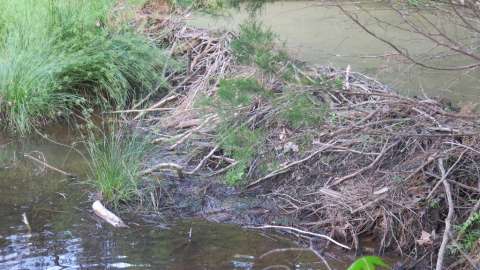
x=448, y=219
x=46, y=165
x=163, y=167
x=25, y=221
x=108, y=216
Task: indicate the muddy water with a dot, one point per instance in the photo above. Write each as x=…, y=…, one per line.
x=66, y=235
x=321, y=34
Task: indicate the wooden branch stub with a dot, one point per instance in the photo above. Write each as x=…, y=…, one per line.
x=108, y=216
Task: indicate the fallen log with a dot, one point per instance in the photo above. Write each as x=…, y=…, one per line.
x=108, y=216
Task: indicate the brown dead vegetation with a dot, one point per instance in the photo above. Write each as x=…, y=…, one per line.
x=401, y=170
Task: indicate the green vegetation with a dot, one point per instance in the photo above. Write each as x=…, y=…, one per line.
x=216, y=6
x=211, y=6
x=57, y=56
x=256, y=45
x=239, y=92
x=469, y=233
x=116, y=160
x=368, y=263
x=252, y=6
x=242, y=144
x=241, y=139
x=252, y=40
x=242, y=135
x=237, y=139
x=299, y=110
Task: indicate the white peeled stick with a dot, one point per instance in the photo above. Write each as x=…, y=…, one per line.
x=108, y=216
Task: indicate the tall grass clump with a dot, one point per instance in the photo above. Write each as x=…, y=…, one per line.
x=256, y=45
x=253, y=40
x=58, y=55
x=116, y=160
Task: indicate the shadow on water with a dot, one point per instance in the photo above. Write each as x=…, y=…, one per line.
x=65, y=235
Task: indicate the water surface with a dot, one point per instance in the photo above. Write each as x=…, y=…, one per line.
x=320, y=33
x=66, y=235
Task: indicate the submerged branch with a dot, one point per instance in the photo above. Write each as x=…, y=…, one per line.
x=306, y=233
x=44, y=163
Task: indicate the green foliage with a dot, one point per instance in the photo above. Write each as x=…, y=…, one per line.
x=252, y=40
x=237, y=140
x=338, y=83
x=269, y=166
x=240, y=143
x=469, y=232
x=305, y=140
x=210, y=6
x=236, y=174
x=433, y=204
x=252, y=6
x=255, y=45
x=298, y=110
x=116, y=160
x=28, y=88
x=215, y=6
x=58, y=55
x=368, y=263
x=239, y=92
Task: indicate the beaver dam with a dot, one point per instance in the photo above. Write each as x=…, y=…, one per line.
x=234, y=130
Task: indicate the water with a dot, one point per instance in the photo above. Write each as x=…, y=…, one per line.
x=66, y=235
x=321, y=34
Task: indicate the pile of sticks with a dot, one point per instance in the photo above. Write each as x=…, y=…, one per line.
x=402, y=169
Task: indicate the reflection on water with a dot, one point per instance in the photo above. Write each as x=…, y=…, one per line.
x=88, y=247
x=321, y=34
x=65, y=234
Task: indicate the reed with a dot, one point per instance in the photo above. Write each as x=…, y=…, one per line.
x=116, y=160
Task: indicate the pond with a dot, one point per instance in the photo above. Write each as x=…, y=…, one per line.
x=66, y=235
x=319, y=33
